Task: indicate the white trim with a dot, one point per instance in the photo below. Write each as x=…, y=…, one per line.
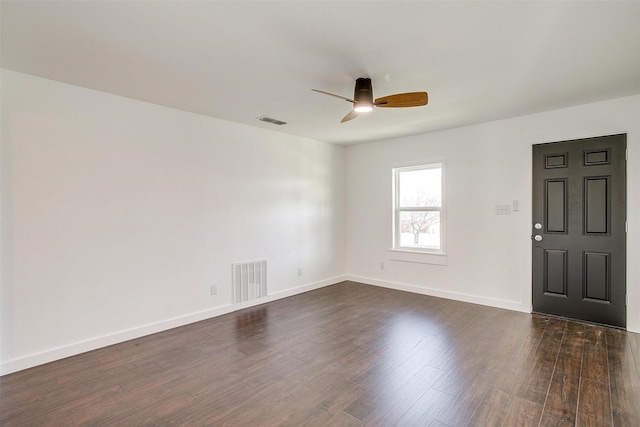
x=436, y=258
x=457, y=296
x=62, y=352
x=306, y=288
x=106, y=340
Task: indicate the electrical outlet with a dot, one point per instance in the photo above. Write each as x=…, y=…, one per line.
x=214, y=290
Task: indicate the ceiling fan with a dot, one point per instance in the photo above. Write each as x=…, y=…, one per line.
x=363, y=99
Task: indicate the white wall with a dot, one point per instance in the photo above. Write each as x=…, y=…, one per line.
x=488, y=256
x=118, y=216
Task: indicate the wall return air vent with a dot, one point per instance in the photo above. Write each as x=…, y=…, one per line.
x=249, y=280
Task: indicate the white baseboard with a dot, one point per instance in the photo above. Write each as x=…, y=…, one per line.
x=308, y=287
x=62, y=352
x=475, y=299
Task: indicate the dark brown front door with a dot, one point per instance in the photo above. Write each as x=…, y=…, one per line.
x=579, y=229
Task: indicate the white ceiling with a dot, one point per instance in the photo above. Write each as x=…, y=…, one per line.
x=238, y=60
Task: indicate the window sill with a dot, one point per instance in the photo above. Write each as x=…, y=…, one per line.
x=418, y=257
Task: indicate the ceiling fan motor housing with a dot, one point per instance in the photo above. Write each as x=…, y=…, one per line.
x=363, y=91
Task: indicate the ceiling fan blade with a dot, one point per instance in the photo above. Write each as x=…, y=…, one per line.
x=411, y=99
x=352, y=115
x=331, y=94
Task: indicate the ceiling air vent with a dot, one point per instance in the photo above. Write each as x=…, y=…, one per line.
x=273, y=121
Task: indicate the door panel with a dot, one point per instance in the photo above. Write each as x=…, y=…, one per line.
x=579, y=250
x=596, y=276
x=556, y=206
x=555, y=273
x=596, y=205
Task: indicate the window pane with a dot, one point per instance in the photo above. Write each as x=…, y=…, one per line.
x=420, y=188
x=420, y=230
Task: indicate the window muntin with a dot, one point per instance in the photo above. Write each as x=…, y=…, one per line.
x=418, y=208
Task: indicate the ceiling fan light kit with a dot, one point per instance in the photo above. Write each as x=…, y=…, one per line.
x=363, y=108
x=363, y=99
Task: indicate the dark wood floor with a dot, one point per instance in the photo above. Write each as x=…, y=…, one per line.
x=345, y=355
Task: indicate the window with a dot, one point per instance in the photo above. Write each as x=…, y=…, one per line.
x=418, y=208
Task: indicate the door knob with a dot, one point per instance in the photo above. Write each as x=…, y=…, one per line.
x=537, y=238
x=537, y=226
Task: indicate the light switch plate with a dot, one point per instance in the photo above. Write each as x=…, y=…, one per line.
x=503, y=210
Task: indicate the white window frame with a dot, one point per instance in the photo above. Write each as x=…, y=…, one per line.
x=398, y=209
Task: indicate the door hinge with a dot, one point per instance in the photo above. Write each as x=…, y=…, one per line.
x=626, y=154
x=626, y=226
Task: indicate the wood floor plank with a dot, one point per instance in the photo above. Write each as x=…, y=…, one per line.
x=595, y=354
x=538, y=376
x=344, y=355
x=342, y=419
x=573, y=341
x=425, y=409
x=562, y=400
x=393, y=397
x=523, y=413
x=213, y=407
x=320, y=405
x=624, y=380
x=594, y=408
x=460, y=409
x=494, y=407
x=294, y=405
